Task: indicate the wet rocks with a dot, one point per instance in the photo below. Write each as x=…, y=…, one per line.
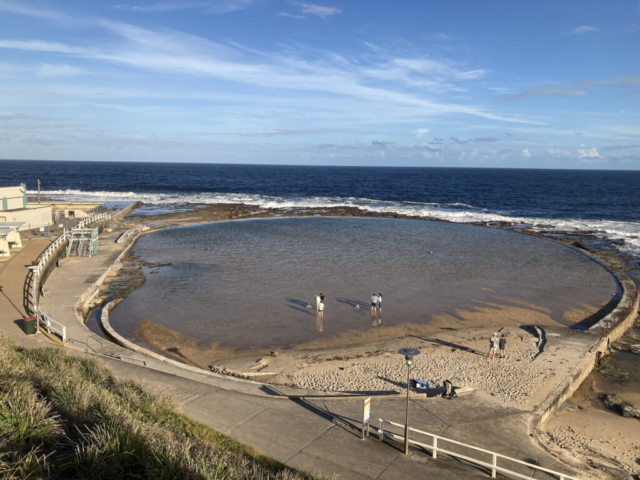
x=613, y=402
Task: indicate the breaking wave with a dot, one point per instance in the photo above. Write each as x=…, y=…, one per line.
x=628, y=232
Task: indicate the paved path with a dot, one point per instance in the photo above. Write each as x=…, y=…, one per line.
x=317, y=435
x=13, y=273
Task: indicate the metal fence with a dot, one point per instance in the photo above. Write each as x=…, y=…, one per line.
x=51, y=325
x=43, y=319
x=492, y=458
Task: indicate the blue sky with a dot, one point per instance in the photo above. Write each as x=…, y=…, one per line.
x=542, y=84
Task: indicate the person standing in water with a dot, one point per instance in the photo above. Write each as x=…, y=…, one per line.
x=374, y=302
x=380, y=302
x=320, y=317
x=318, y=302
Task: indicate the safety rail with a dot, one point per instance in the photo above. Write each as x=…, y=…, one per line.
x=52, y=325
x=51, y=249
x=493, y=466
x=37, y=268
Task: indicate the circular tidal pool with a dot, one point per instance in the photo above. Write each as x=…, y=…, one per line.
x=247, y=283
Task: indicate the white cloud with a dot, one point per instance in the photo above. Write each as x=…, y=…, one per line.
x=559, y=152
x=526, y=153
x=584, y=29
x=290, y=15
x=40, y=46
x=46, y=70
x=183, y=54
x=420, y=132
x=585, y=153
x=319, y=10
x=576, y=89
x=38, y=12
x=216, y=6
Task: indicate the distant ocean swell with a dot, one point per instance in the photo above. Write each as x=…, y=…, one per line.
x=629, y=232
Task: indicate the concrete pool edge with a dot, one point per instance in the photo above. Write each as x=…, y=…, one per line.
x=617, y=322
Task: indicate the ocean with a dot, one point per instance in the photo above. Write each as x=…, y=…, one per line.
x=595, y=201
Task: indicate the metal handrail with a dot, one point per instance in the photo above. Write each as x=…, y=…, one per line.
x=54, y=246
x=492, y=466
x=44, y=258
x=52, y=325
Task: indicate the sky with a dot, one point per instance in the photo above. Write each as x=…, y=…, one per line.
x=453, y=83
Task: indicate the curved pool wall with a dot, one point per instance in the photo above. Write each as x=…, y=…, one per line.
x=247, y=283
x=629, y=300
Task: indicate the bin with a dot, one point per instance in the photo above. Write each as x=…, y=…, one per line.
x=30, y=325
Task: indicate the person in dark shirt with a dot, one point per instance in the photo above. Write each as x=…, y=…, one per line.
x=503, y=344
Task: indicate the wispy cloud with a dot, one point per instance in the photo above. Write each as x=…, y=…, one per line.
x=526, y=153
x=21, y=8
x=420, y=132
x=632, y=28
x=183, y=54
x=584, y=29
x=559, y=152
x=491, y=139
x=47, y=70
x=287, y=132
x=217, y=6
x=318, y=10
x=32, y=140
x=576, y=89
x=291, y=15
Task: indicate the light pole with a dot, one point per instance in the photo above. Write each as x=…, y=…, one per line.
x=408, y=353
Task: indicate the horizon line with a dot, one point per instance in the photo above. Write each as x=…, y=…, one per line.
x=322, y=166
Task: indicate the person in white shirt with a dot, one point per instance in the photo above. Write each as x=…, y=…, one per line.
x=374, y=302
x=380, y=301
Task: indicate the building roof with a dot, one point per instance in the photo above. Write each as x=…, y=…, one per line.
x=11, y=224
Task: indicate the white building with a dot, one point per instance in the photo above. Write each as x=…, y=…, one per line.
x=14, y=207
x=9, y=237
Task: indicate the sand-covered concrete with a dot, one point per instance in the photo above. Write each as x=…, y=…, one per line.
x=586, y=432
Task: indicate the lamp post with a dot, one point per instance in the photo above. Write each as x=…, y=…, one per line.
x=408, y=353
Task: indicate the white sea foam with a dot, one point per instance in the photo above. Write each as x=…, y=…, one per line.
x=453, y=212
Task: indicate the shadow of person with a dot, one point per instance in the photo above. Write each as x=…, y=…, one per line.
x=299, y=305
x=352, y=303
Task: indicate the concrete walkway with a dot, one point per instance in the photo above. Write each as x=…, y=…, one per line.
x=317, y=435
x=13, y=273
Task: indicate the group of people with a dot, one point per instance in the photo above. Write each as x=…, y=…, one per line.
x=497, y=342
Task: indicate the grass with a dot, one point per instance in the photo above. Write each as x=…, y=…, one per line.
x=71, y=418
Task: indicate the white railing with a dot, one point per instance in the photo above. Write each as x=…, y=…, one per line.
x=493, y=466
x=50, y=251
x=51, y=325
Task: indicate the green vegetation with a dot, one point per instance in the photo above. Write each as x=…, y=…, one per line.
x=65, y=417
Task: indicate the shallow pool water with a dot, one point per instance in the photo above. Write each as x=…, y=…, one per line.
x=247, y=283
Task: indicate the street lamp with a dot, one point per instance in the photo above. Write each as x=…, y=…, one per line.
x=408, y=353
